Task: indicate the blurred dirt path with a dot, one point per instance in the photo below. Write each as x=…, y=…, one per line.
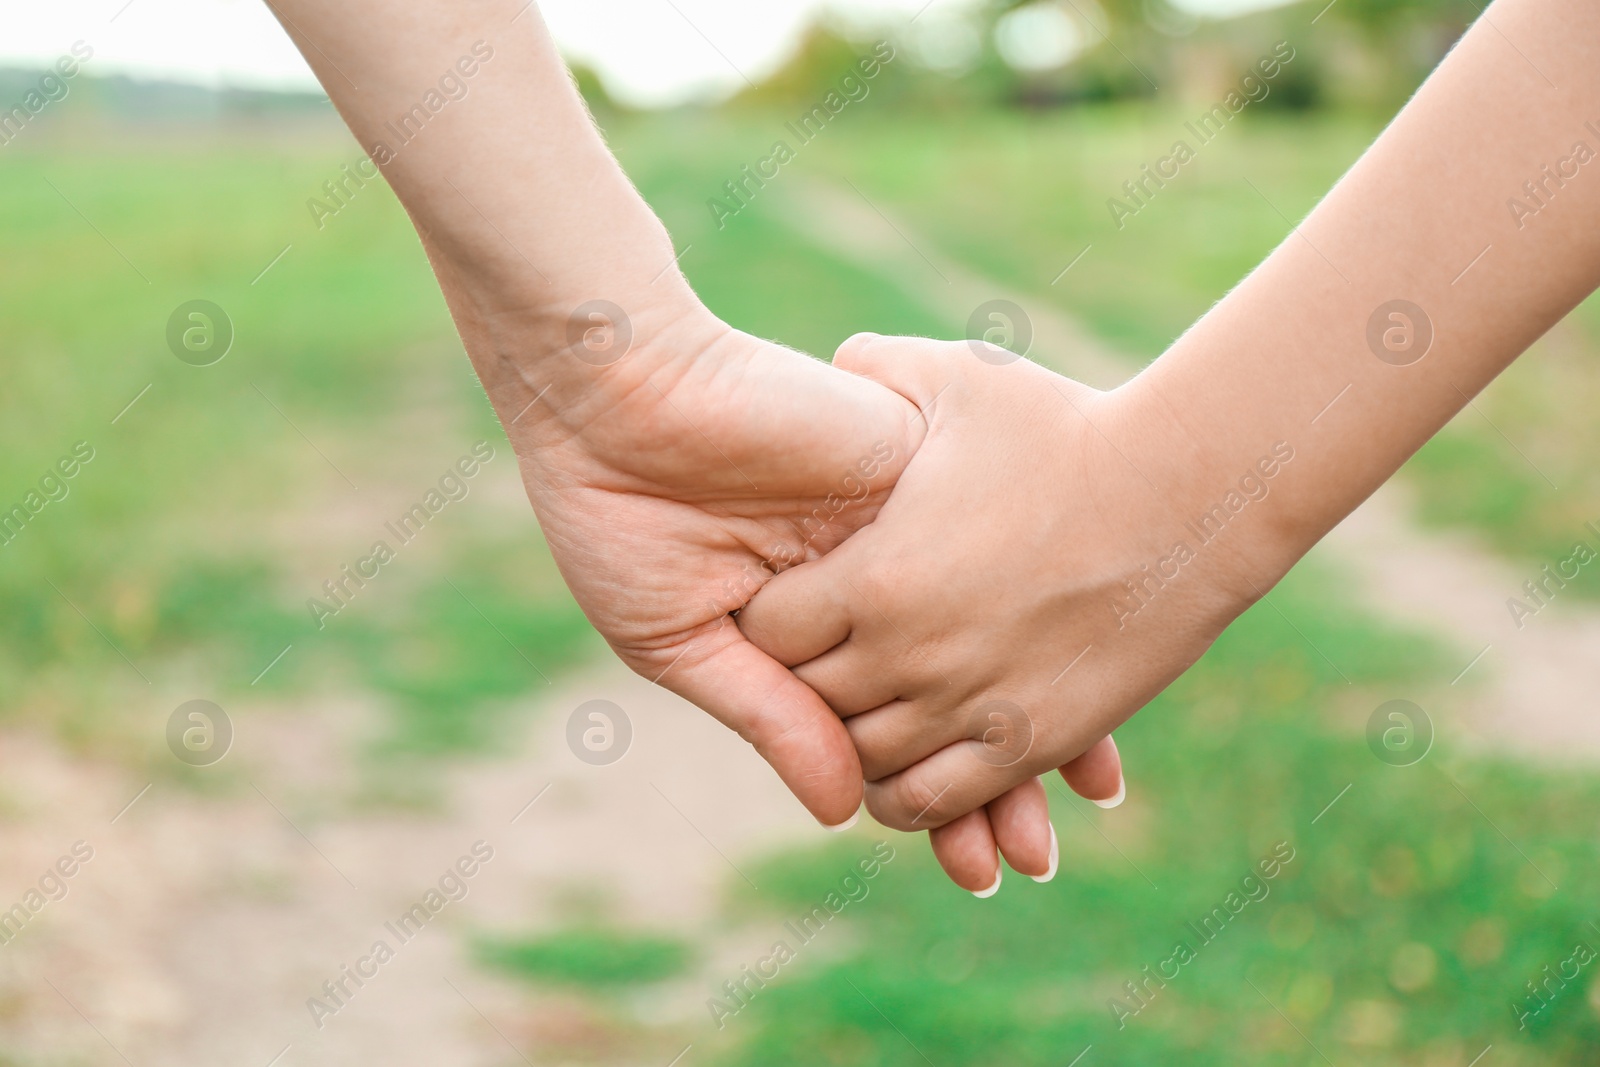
x=1532, y=690
x=205, y=920
x=868, y=233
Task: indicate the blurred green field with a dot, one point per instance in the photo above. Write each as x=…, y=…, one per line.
x=1017, y=196
x=1400, y=932
x=1403, y=931
x=1415, y=903
x=220, y=501
x=1024, y=195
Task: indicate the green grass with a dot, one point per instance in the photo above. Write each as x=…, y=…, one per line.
x=179, y=542
x=1017, y=196
x=589, y=958
x=193, y=540
x=1023, y=195
x=1516, y=469
x=757, y=271
x=217, y=504
x=1400, y=933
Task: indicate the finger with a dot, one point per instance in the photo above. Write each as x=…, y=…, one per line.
x=965, y=848
x=853, y=679
x=915, y=367
x=825, y=619
x=950, y=782
x=1020, y=819
x=801, y=613
x=1097, y=774
x=967, y=774
x=789, y=725
x=897, y=735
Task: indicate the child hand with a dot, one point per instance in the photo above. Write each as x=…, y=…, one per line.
x=1036, y=569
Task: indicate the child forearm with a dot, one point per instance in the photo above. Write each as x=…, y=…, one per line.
x=1459, y=238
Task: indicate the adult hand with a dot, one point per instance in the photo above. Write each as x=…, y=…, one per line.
x=677, y=479
x=668, y=456
x=675, y=476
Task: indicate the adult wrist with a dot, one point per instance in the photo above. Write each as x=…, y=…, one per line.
x=555, y=365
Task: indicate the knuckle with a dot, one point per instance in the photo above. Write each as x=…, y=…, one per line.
x=918, y=803
x=878, y=806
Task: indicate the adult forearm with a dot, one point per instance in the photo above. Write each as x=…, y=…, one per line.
x=1315, y=348
x=470, y=114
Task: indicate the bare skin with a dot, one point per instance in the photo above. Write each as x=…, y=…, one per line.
x=1061, y=509
x=674, y=462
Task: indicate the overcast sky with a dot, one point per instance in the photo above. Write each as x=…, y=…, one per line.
x=648, y=51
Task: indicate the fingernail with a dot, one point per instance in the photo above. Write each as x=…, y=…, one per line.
x=1122, y=793
x=840, y=828
x=985, y=894
x=1055, y=859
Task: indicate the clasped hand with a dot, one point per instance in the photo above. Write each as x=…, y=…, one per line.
x=978, y=632
x=920, y=545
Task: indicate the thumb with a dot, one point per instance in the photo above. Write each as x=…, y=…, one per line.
x=783, y=718
x=917, y=368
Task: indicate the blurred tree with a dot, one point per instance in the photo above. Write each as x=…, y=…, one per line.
x=1049, y=53
x=825, y=56
x=1118, y=53
x=820, y=59
x=1388, y=48
x=1381, y=16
